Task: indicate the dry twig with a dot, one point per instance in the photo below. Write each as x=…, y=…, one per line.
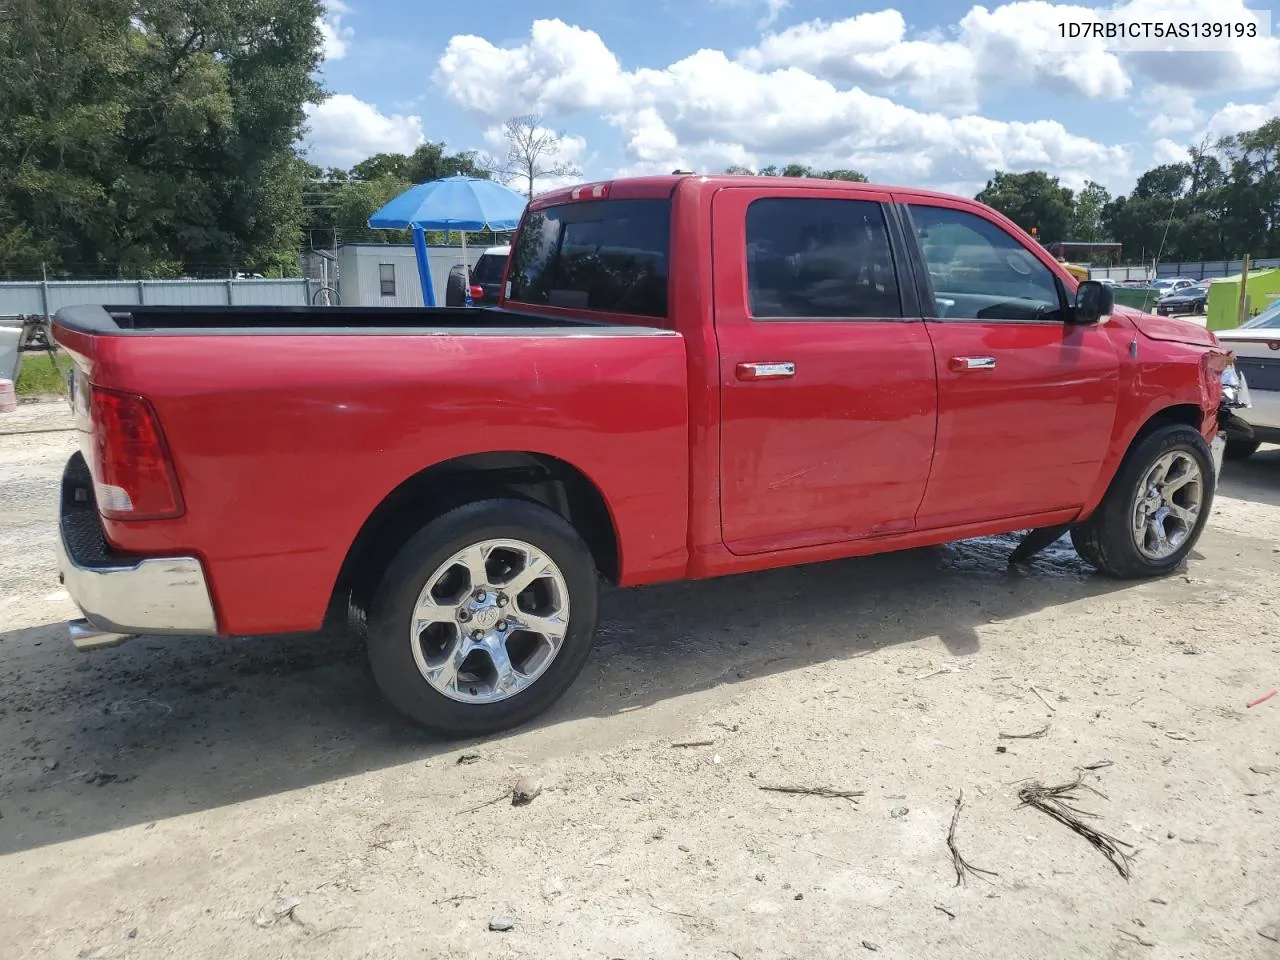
x=1033, y=735
x=694, y=743
x=1058, y=802
x=1135, y=938
x=487, y=803
x=829, y=792
x=963, y=866
x=1043, y=700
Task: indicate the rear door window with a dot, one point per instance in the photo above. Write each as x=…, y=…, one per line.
x=605, y=255
x=819, y=258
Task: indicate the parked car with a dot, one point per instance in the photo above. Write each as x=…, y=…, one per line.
x=1256, y=346
x=486, y=279
x=1171, y=284
x=686, y=377
x=1190, y=299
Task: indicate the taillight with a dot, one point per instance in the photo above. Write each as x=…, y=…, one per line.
x=133, y=477
x=477, y=293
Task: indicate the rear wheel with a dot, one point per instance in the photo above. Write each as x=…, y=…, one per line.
x=484, y=618
x=1155, y=509
x=1240, y=449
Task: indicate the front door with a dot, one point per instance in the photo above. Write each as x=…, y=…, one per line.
x=1026, y=401
x=827, y=381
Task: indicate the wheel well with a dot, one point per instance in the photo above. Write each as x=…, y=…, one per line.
x=537, y=478
x=1188, y=414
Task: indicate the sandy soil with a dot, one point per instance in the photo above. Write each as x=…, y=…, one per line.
x=158, y=799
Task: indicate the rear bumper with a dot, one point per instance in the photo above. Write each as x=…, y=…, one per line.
x=123, y=596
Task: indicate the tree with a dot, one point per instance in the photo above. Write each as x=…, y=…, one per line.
x=137, y=132
x=431, y=162
x=1086, y=216
x=797, y=170
x=1033, y=200
x=532, y=152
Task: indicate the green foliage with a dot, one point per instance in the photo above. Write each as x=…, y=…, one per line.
x=145, y=136
x=1086, y=214
x=1033, y=200
x=340, y=202
x=798, y=170
x=40, y=376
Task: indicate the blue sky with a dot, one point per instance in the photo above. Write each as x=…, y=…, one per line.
x=937, y=93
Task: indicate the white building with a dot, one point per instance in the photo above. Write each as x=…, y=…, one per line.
x=386, y=275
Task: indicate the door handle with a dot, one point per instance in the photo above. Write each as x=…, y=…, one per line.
x=766, y=371
x=973, y=363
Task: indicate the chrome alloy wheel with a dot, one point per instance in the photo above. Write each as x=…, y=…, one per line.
x=490, y=621
x=1167, y=505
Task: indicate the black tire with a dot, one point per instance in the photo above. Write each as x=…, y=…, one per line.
x=455, y=288
x=1241, y=449
x=1106, y=540
x=391, y=651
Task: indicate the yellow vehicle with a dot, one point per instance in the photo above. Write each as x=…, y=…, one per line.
x=1077, y=271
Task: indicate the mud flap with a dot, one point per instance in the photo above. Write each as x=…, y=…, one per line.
x=1036, y=540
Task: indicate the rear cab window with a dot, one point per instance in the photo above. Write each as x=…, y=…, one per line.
x=607, y=256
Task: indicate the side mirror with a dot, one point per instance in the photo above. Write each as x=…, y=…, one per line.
x=1094, y=301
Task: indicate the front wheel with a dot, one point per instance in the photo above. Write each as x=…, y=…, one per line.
x=1155, y=509
x=484, y=618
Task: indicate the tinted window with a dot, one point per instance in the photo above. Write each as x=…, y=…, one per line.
x=607, y=255
x=980, y=272
x=819, y=258
x=488, y=269
x=387, y=279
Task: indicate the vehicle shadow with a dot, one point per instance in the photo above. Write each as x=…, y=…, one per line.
x=163, y=727
x=1256, y=479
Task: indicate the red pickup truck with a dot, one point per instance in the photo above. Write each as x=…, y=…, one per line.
x=687, y=377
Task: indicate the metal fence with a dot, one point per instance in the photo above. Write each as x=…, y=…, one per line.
x=1192, y=270
x=45, y=298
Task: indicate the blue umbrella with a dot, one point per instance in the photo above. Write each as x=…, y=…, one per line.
x=455, y=203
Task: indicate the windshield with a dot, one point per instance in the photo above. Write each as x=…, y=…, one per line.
x=1269, y=317
x=489, y=269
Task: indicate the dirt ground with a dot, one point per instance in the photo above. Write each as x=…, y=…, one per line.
x=174, y=798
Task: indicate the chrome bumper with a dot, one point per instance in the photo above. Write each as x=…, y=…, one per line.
x=1218, y=447
x=123, y=597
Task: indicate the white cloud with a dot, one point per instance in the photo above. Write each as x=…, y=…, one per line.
x=707, y=110
x=1175, y=110
x=988, y=50
x=1166, y=151
x=1238, y=117
x=343, y=131
x=335, y=38
x=870, y=50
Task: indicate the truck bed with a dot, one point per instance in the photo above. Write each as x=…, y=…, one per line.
x=169, y=320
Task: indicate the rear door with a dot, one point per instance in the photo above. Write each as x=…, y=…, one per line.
x=1026, y=401
x=827, y=381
